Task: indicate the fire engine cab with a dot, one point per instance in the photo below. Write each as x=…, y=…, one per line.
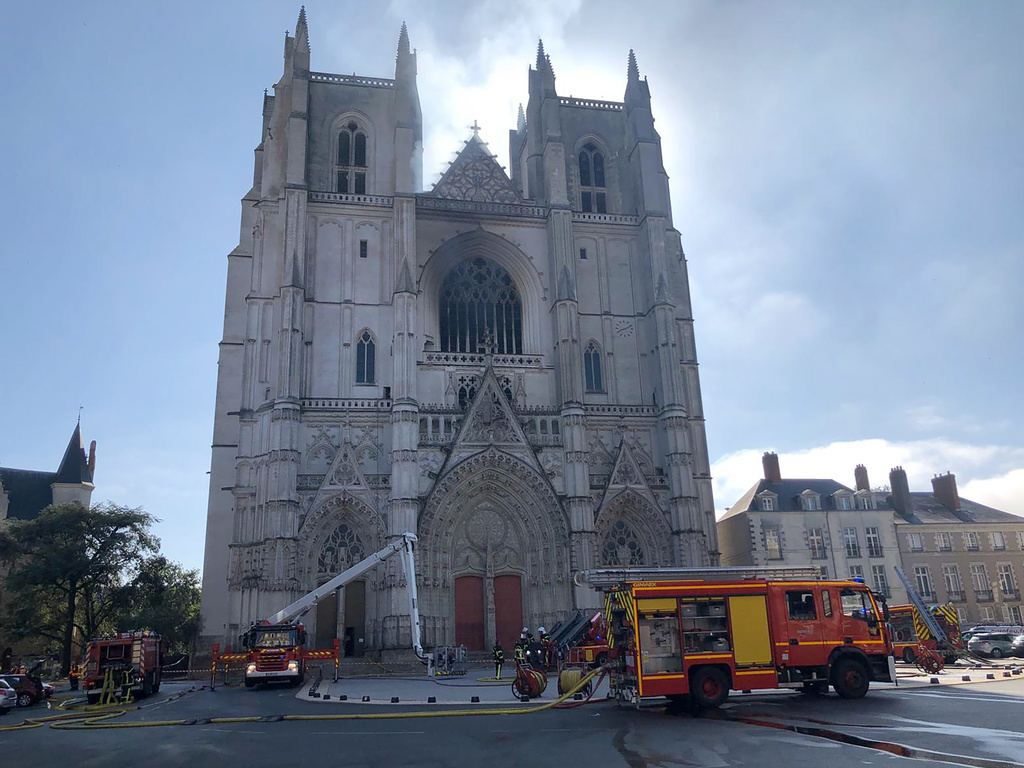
x=700, y=633
x=275, y=653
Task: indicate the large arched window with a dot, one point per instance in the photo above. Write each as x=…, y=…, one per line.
x=366, y=353
x=479, y=299
x=621, y=546
x=592, y=367
x=593, y=195
x=351, y=163
x=341, y=550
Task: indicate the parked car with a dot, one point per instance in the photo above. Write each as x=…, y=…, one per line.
x=993, y=644
x=1017, y=646
x=8, y=698
x=29, y=689
x=984, y=629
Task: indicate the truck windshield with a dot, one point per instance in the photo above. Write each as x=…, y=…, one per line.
x=857, y=606
x=274, y=638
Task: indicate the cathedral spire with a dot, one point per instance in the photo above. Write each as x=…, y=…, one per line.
x=637, y=92
x=403, y=41
x=521, y=122
x=301, y=30
x=632, y=70
x=547, y=72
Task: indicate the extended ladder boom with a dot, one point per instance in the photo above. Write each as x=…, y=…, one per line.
x=941, y=638
x=402, y=544
x=610, y=577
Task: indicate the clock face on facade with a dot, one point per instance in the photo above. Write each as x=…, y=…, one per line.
x=624, y=327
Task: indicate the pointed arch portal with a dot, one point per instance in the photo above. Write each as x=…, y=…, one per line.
x=495, y=552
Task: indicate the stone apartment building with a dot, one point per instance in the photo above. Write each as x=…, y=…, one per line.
x=798, y=521
x=953, y=550
x=959, y=551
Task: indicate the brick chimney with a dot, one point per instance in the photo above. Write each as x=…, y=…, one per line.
x=900, y=497
x=772, y=473
x=944, y=488
x=860, y=476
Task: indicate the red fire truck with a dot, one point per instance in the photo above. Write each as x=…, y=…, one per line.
x=276, y=646
x=700, y=633
x=132, y=659
x=276, y=652
x=910, y=632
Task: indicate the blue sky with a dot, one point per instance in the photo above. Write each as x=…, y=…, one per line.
x=848, y=179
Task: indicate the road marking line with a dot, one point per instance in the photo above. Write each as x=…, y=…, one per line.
x=1007, y=700
x=366, y=733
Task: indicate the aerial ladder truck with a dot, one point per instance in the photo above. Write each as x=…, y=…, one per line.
x=275, y=647
x=931, y=632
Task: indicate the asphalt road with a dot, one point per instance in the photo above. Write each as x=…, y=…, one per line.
x=982, y=722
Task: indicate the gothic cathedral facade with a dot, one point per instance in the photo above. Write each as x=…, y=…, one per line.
x=503, y=365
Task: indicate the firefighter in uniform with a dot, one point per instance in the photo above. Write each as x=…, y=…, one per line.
x=519, y=652
x=499, y=657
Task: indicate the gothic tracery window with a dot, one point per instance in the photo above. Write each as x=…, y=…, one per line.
x=366, y=352
x=341, y=550
x=593, y=193
x=479, y=298
x=621, y=546
x=351, y=162
x=592, y=368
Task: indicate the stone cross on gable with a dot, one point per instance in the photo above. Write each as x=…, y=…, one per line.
x=475, y=128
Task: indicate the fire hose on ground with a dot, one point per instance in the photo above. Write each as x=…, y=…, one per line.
x=91, y=720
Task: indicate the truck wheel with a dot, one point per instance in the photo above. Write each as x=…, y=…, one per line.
x=909, y=655
x=250, y=683
x=601, y=660
x=709, y=687
x=850, y=679
x=92, y=698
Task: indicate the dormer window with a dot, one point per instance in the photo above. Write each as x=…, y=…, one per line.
x=810, y=501
x=844, y=502
x=767, y=501
x=351, y=160
x=593, y=191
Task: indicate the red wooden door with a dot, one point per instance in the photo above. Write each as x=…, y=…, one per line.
x=508, y=610
x=469, y=612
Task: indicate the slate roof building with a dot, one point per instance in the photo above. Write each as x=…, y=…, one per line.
x=846, y=532
x=24, y=493
x=503, y=364
x=959, y=551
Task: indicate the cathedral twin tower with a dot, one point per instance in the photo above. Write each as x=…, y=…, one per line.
x=502, y=365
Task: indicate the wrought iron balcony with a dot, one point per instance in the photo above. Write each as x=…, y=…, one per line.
x=984, y=595
x=957, y=596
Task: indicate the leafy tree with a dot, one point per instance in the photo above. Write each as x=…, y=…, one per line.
x=165, y=598
x=72, y=568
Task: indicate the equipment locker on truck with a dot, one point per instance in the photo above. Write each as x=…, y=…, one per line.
x=700, y=633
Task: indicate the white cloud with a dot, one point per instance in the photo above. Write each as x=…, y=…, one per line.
x=989, y=474
x=1004, y=491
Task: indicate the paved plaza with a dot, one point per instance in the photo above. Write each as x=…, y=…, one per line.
x=979, y=721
